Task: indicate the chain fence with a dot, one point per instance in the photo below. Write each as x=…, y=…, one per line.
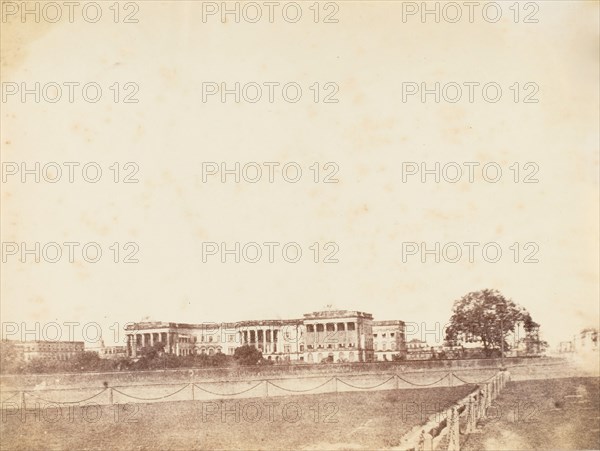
x=192, y=390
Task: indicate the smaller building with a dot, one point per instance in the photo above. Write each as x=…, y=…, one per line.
x=389, y=340
x=27, y=351
x=565, y=347
x=418, y=350
x=110, y=352
x=586, y=341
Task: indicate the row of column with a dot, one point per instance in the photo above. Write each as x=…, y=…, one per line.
x=335, y=327
x=333, y=333
x=260, y=337
x=141, y=340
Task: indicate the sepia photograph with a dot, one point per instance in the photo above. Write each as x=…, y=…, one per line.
x=299, y=225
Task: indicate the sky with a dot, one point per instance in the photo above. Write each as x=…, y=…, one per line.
x=371, y=225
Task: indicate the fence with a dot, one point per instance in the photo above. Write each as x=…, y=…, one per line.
x=460, y=420
x=181, y=375
x=207, y=390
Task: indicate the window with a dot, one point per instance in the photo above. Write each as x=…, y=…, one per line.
x=301, y=348
x=310, y=328
x=392, y=334
x=383, y=335
x=374, y=335
x=287, y=349
x=351, y=326
x=230, y=338
x=320, y=328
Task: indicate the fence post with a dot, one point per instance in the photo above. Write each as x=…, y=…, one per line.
x=397, y=379
x=453, y=431
x=421, y=444
x=335, y=380
x=425, y=442
x=482, y=402
x=23, y=406
x=110, y=396
x=451, y=379
x=470, y=416
x=266, y=388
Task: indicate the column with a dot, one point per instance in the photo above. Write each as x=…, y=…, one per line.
x=266, y=344
x=135, y=343
x=265, y=339
x=336, y=338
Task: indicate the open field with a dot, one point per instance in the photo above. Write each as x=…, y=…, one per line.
x=542, y=415
x=349, y=420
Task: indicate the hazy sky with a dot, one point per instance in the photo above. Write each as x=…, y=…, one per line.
x=368, y=135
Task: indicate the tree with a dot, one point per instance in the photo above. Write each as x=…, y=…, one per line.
x=487, y=316
x=247, y=355
x=151, y=352
x=9, y=357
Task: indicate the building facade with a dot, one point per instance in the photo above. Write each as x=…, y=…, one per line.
x=277, y=339
x=418, y=350
x=324, y=336
x=388, y=339
x=26, y=351
x=338, y=336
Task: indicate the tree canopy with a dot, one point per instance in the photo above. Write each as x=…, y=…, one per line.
x=487, y=316
x=247, y=355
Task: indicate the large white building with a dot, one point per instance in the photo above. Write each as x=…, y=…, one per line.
x=331, y=335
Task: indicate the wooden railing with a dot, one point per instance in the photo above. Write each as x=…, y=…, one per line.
x=458, y=421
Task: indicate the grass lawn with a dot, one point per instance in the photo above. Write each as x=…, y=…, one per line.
x=551, y=414
x=350, y=420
